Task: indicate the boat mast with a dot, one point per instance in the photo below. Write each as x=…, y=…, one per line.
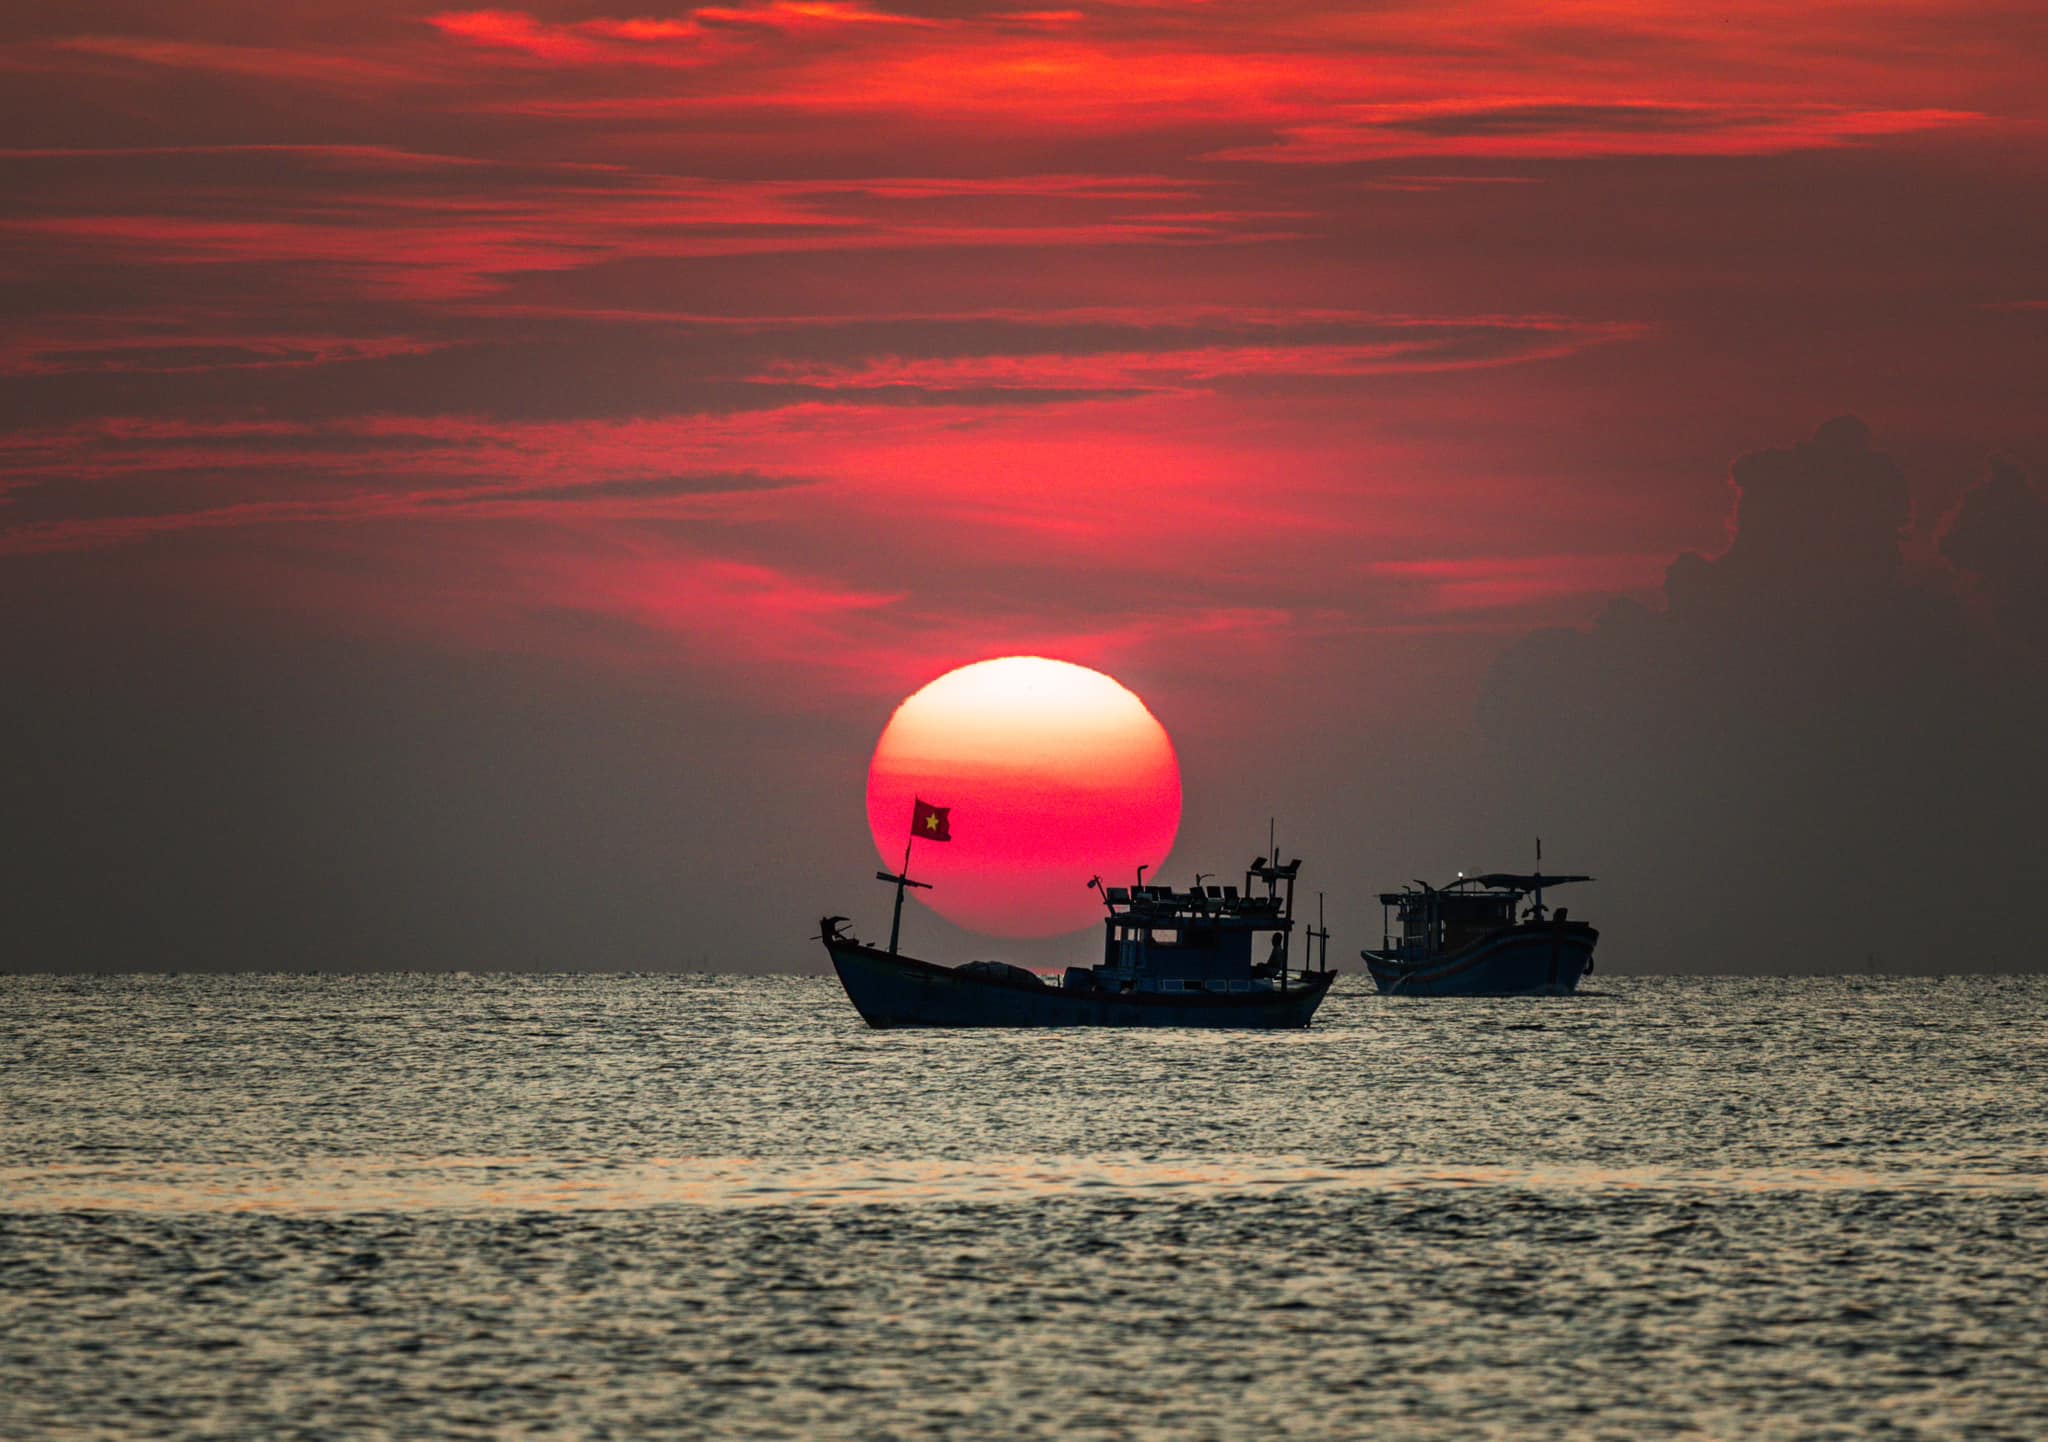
x=902, y=880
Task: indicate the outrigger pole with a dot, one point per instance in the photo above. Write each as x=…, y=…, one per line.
x=902, y=879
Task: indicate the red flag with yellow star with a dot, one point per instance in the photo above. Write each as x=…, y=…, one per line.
x=928, y=822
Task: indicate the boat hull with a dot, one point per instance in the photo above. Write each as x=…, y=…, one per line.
x=1538, y=959
x=897, y=991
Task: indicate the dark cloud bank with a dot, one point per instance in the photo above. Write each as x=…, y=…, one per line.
x=1825, y=750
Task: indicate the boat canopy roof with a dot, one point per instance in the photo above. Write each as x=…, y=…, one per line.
x=1492, y=881
x=1513, y=881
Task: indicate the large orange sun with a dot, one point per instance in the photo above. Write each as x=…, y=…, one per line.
x=1053, y=773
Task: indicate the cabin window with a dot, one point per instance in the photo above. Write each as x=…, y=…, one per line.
x=1166, y=936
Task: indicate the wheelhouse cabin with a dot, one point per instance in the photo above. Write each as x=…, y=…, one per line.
x=1204, y=939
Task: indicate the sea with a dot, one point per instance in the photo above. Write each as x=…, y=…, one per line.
x=648, y=1207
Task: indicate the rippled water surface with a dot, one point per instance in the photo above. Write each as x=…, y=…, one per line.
x=633, y=1207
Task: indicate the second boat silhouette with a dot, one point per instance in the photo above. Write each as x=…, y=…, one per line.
x=1467, y=939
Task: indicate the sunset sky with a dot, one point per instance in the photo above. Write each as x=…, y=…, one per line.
x=474, y=484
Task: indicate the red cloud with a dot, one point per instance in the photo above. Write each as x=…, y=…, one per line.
x=516, y=31
x=1323, y=87
x=1405, y=346
x=1486, y=583
x=682, y=41
x=461, y=236
x=1552, y=128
